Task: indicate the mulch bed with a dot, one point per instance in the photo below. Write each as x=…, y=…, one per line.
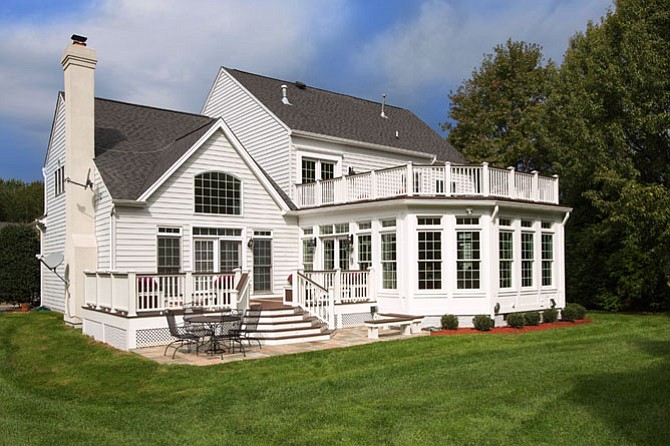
x=511, y=330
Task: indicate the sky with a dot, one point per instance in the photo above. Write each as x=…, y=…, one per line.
x=166, y=53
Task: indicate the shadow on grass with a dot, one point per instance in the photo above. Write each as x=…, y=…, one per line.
x=635, y=405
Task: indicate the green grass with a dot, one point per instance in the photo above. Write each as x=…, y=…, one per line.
x=603, y=383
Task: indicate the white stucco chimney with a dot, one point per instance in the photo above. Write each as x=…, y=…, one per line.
x=80, y=245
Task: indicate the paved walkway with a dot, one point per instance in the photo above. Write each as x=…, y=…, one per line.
x=346, y=337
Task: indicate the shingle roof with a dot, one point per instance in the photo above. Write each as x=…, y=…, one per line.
x=324, y=112
x=135, y=145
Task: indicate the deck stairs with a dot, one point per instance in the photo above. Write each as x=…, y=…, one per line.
x=282, y=324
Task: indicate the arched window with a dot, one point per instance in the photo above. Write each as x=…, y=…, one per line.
x=217, y=193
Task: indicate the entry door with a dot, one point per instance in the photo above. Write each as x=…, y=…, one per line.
x=262, y=265
x=336, y=254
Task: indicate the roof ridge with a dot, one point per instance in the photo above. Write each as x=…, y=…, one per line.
x=320, y=89
x=153, y=108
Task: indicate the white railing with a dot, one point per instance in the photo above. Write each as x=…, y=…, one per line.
x=430, y=180
x=133, y=293
x=315, y=299
x=350, y=286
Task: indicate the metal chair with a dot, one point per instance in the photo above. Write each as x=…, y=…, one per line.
x=194, y=327
x=181, y=335
x=248, y=328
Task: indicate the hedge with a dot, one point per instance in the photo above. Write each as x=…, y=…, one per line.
x=19, y=268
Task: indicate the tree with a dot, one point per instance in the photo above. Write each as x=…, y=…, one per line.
x=19, y=268
x=498, y=111
x=610, y=125
x=20, y=202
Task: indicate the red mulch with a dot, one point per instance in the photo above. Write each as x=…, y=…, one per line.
x=511, y=330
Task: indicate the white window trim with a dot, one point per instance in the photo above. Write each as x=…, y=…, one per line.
x=242, y=200
x=318, y=157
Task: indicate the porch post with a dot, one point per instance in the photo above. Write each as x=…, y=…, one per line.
x=556, y=199
x=234, y=294
x=447, y=179
x=318, y=192
x=187, y=298
x=132, y=294
x=337, y=285
x=485, y=179
x=371, y=285
x=373, y=185
x=511, y=186
x=410, y=180
x=535, y=189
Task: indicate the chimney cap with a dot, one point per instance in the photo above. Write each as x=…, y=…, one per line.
x=78, y=40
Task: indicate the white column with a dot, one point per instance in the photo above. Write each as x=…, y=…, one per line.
x=511, y=187
x=132, y=294
x=447, y=179
x=485, y=179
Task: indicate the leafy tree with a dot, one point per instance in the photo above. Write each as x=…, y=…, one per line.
x=498, y=111
x=19, y=268
x=20, y=202
x=609, y=115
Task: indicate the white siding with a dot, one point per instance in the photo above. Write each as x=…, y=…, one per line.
x=172, y=205
x=53, y=289
x=103, y=207
x=264, y=137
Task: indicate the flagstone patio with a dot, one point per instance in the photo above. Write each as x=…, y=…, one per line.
x=346, y=337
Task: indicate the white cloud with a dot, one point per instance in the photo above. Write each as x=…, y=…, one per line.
x=447, y=40
x=163, y=53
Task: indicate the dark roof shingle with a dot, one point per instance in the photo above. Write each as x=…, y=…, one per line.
x=324, y=112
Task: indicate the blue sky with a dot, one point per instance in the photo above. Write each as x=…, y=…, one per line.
x=165, y=53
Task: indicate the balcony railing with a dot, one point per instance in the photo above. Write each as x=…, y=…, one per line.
x=446, y=180
x=134, y=293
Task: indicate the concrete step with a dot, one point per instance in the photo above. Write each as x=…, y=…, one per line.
x=303, y=323
x=274, y=334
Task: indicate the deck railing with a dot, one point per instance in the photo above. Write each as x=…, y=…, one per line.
x=132, y=293
x=430, y=180
x=350, y=286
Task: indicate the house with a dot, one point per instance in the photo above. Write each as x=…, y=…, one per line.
x=337, y=205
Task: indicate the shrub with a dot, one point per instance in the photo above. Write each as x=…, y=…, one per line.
x=19, y=268
x=569, y=313
x=579, y=310
x=449, y=322
x=482, y=322
x=516, y=320
x=550, y=315
x=532, y=318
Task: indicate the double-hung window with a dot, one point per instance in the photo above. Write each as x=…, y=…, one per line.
x=389, y=255
x=364, y=245
x=168, y=255
x=547, y=259
x=506, y=258
x=468, y=254
x=315, y=169
x=527, y=253
x=430, y=253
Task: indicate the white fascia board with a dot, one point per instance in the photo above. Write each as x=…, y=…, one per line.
x=60, y=100
x=224, y=72
x=128, y=203
x=220, y=125
x=366, y=145
x=404, y=203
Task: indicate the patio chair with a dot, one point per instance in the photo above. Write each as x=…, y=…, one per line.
x=250, y=323
x=181, y=335
x=229, y=333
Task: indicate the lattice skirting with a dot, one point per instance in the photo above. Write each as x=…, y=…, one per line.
x=352, y=319
x=152, y=337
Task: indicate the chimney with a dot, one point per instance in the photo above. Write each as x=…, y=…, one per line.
x=80, y=245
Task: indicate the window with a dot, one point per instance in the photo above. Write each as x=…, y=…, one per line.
x=262, y=261
x=547, y=259
x=59, y=181
x=217, y=193
x=467, y=221
x=230, y=255
x=430, y=260
x=504, y=222
x=506, y=258
x=221, y=232
x=390, y=223
x=168, y=250
x=364, y=251
x=364, y=225
x=308, y=254
x=329, y=254
x=546, y=225
x=527, y=259
x=313, y=170
x=326, y=229
x=389, y=267
x=526, y=224
x=204, y=256
x=467, y=263
x=343, y=254
x=430, y=254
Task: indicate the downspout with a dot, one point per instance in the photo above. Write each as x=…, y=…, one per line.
x=112, y=238
x=495, y=212
x=565, y=218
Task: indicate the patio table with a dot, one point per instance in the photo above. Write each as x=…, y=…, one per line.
x=217, y=323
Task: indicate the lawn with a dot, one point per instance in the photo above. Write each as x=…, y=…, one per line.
x=602, y=383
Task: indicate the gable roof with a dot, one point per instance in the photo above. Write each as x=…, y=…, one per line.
x=135, y=144
x=323, y=112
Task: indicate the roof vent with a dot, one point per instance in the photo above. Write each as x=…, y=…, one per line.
x=284, y=96
x=397, y=134
x=300, y=85
x=383, y=115
x=78, y=40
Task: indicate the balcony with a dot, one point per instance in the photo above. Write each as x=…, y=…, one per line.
x=413, y=180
